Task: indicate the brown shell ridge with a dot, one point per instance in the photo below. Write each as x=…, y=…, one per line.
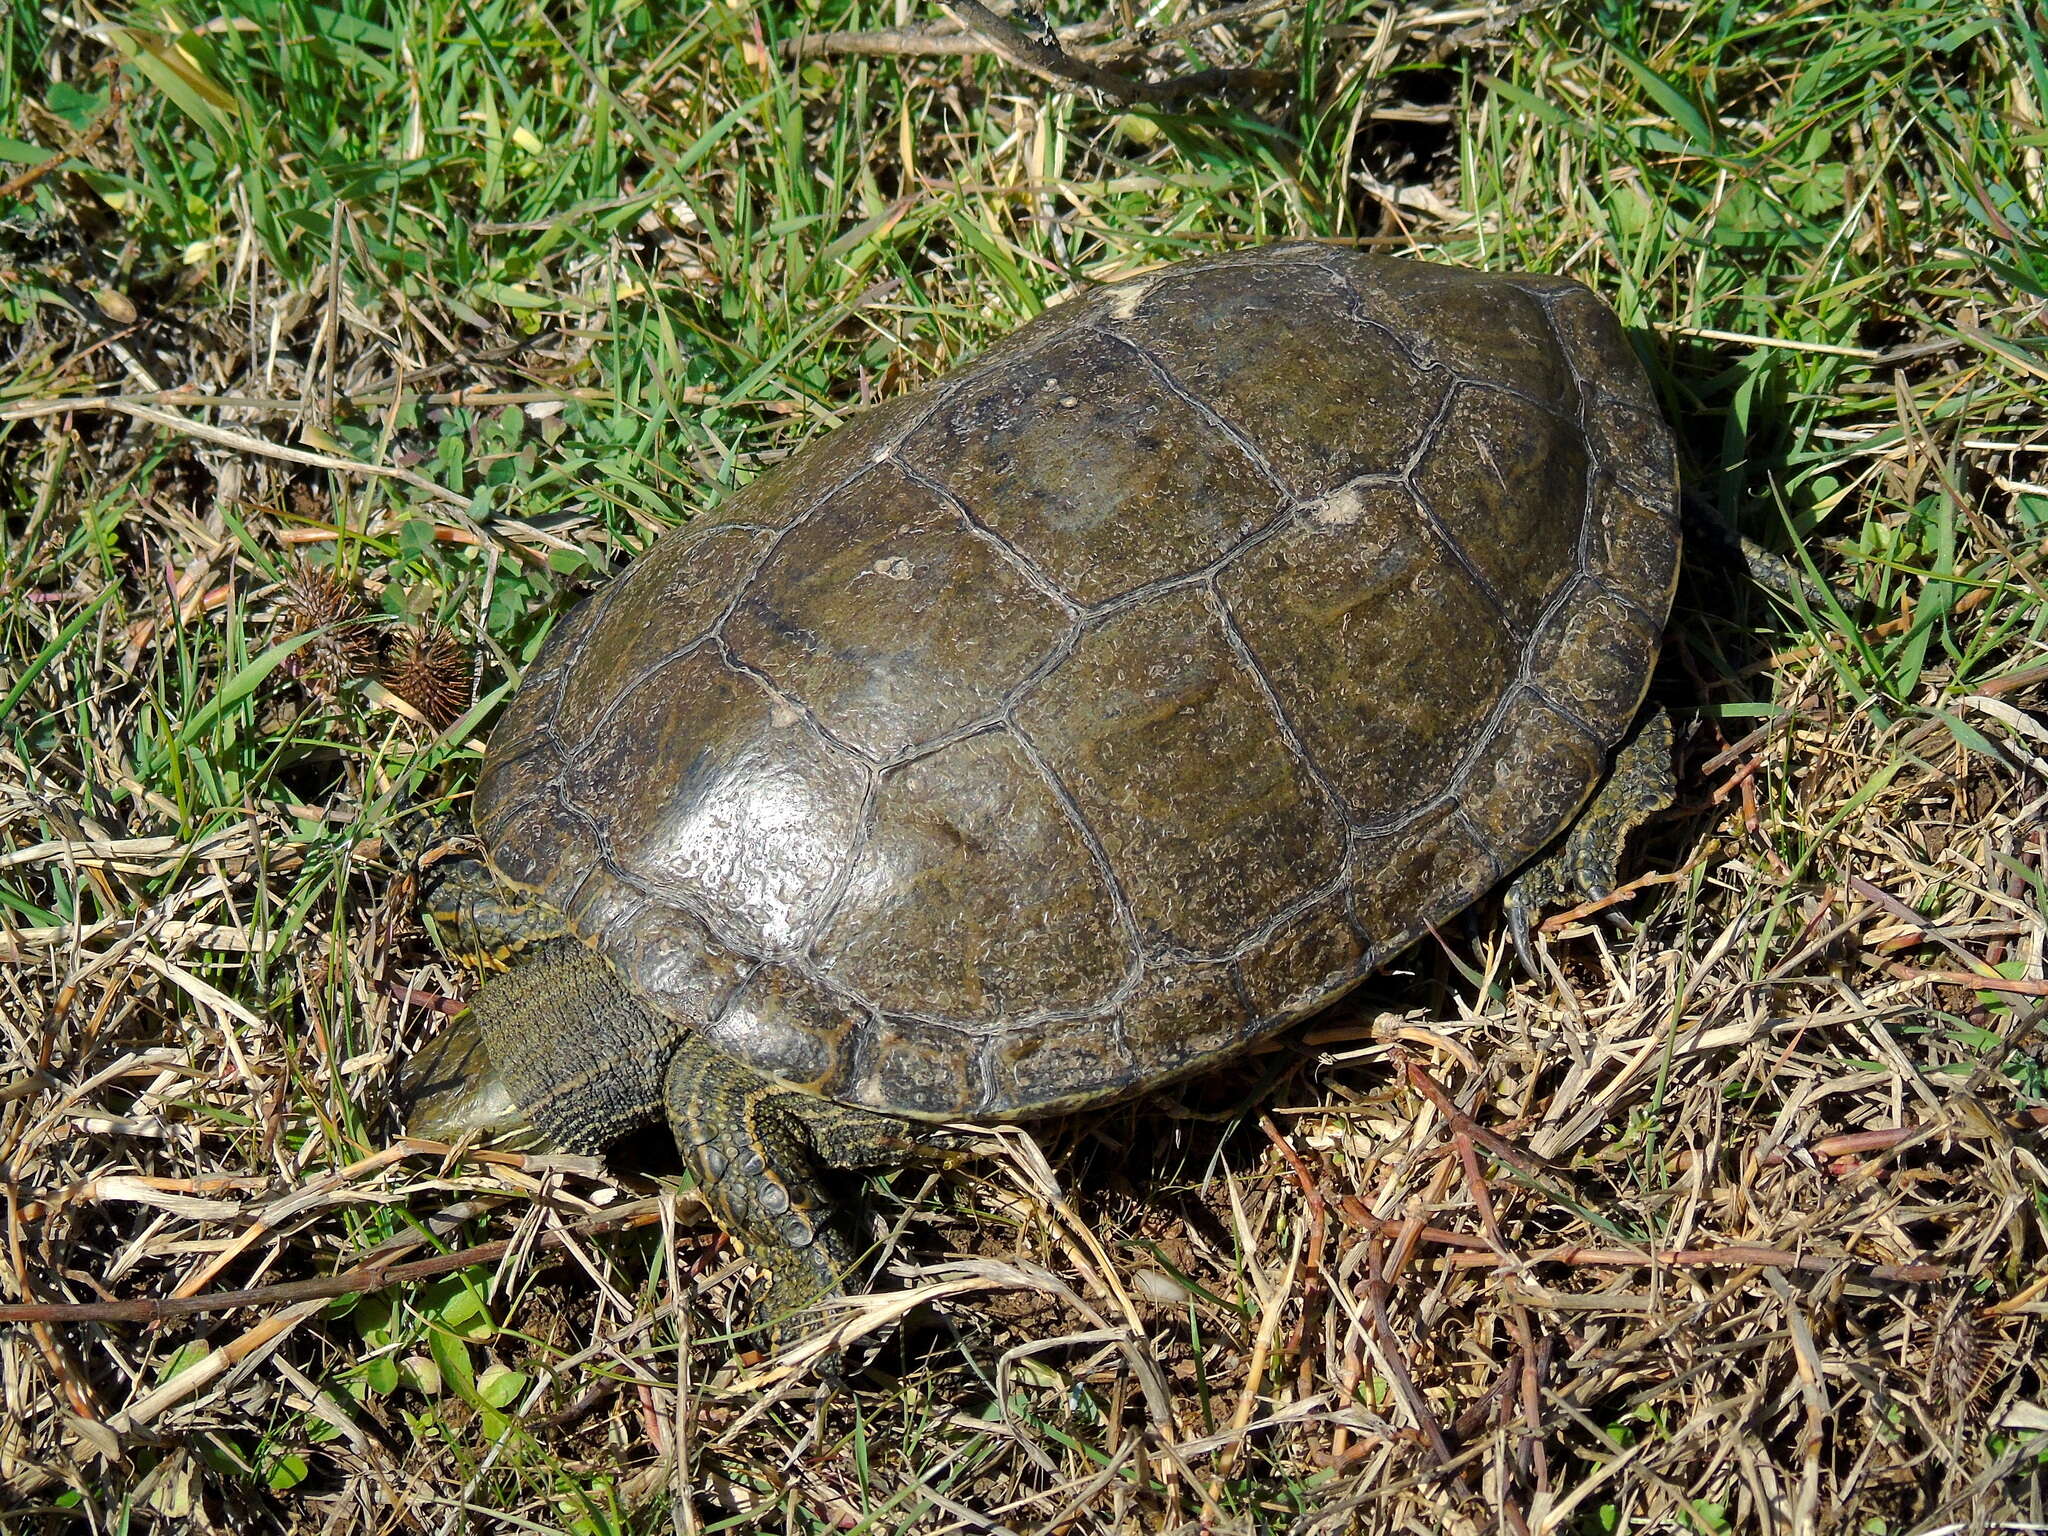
x=1447, y=542
x=607, y=863
x=805, y=960
x=801, y=706
x=607, y=857
x=882, y=455
x=1485, y=844
x=1126, y=916
x=1564, y=711
x=1263, y=932
x=1200, y=407
x=743, y=979
x=805, y=949
x=782, y=536
x=597, y=603
x=1381, y=826
x=1626, y=600
x=1338, y=807
x=710, y=635
x=1205, y=575
x=1359, y=313
x=1002, y=717
x=1489, y=728
x=1021, y=562
x=1568, y=595
x=676, y=901
x=603, y=717
x=1593, y=396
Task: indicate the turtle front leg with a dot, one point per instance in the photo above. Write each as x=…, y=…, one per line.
x=758, y=1171
x=857, y=1140
x=1583, y=863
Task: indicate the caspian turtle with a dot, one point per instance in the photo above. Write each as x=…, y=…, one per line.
x=1065, y=726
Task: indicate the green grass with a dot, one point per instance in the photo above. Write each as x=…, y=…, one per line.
x=588, y=269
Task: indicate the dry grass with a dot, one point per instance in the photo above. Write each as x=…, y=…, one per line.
x=323, y=396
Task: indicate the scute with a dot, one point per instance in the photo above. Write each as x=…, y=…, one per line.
x=1506, y=482
x=1272, y=352
x=1119, y=698
x=1162, y=733
x=891, y=617
x=1095, y=469
x=747, y=812
x=1327, y=608
x=974, y=896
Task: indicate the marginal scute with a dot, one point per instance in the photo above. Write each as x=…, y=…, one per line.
x=1535, y=773
x=1169, y=748
x=1306, y=963
x=1634, y=446
x=1182, y=1014
x=672, y=959
x=510, y=782
x=1385, y=706
x=919, y=1068
x=1404, y=881
x=1593, y=337
x=973, y=895
x=1635, y=546
x=892, y=619
x=1073, y=1064
x=789, y=489
x=524, y=763
x=1093, y=469
x=782, y=1023
x=1594, y=658
x=540, y=686
x=1507, y=481
x=525, y=839
x=1270, y=350
x=719, y=794
x=669, y=599
x=601, y=904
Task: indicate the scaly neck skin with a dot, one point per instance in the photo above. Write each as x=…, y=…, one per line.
x=581, y=1056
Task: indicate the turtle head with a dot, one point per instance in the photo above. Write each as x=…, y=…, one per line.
x=451, y=1089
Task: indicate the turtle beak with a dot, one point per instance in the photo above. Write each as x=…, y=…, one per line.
x=449, y=1090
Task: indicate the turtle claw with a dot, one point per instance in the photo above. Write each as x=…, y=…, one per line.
x=1584, y=864
x=1536, y=887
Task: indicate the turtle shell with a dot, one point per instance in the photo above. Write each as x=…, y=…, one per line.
x=1118, y=698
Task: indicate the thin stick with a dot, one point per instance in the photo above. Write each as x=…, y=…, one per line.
x=1476, y=1252
x=81, y=141
x=1498, y=1145
x=241, y=442
x=1312, y=1283
x=1376, y=1292
x=366, y=1277
x=1041, y=55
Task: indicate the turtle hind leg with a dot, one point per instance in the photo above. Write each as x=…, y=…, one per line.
x=759, y=1172
x=1582, y=864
